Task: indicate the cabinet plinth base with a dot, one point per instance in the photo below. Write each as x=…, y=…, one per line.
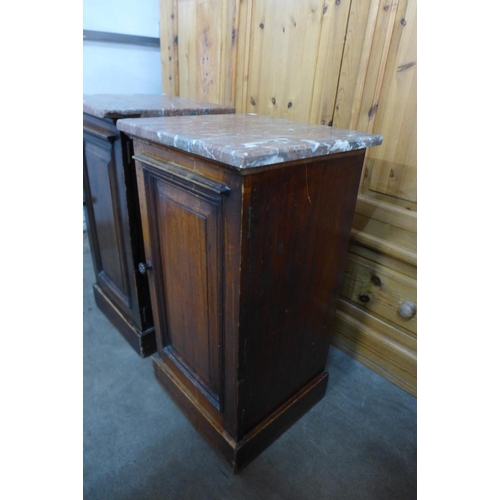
x=143, y=342
x=239, y=454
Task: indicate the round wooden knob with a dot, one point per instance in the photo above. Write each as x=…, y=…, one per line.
x=407, y=310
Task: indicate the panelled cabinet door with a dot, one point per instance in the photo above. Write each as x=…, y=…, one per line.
x=185, y=225
x=105, y=201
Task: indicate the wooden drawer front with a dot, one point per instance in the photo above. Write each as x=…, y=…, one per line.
x=380, y=346
x=379, y=290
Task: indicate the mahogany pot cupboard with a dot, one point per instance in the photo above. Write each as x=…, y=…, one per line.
x=112, y=207
x=246, y=222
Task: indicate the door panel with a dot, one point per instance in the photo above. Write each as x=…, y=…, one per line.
x=186, y=241
x=104, y=201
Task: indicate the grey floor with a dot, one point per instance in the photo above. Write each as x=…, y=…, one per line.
x=359, y=442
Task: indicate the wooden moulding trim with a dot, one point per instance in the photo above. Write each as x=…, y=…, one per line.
x=380, y=338
x=171, y=169
x=282, y=409
x=201, y=385
x=368, y=320
x=238, y=454
x=385, y=212
x=100, y=127
x=411, y=388
x=383, y=246
x=256, y=441
x=194, y=411
x=387, y=357
x=100, y=132
x=143, y=342
x=187, y=392
x=379, y=259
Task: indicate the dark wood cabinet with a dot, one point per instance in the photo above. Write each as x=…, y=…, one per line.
x=245, y=266
x=115, y=233
x=112, y=208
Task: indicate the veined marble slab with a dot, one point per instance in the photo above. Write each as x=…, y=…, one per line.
x=122, y=105
x=250, y=140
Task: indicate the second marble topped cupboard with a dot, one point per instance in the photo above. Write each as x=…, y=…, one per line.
x=246, y=223
x=112, y=207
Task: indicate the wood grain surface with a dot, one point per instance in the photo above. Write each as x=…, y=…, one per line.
x=350, y=63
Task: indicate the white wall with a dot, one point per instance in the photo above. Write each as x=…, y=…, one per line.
x=119, y=68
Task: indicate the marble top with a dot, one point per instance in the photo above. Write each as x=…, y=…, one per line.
x=122, y=105
x=249, y=140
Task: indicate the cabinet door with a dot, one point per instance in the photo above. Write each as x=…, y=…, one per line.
x=185, y=225
x=107, y=219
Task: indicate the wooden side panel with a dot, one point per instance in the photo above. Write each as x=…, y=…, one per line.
x=284, y=313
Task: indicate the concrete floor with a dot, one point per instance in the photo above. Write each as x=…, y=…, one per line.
x=359, y=442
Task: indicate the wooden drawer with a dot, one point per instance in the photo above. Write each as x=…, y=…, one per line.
x=385, y=349
x=380, y=290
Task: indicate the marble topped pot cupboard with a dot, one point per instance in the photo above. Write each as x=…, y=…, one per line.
x=112, y=207
x=246, y=223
